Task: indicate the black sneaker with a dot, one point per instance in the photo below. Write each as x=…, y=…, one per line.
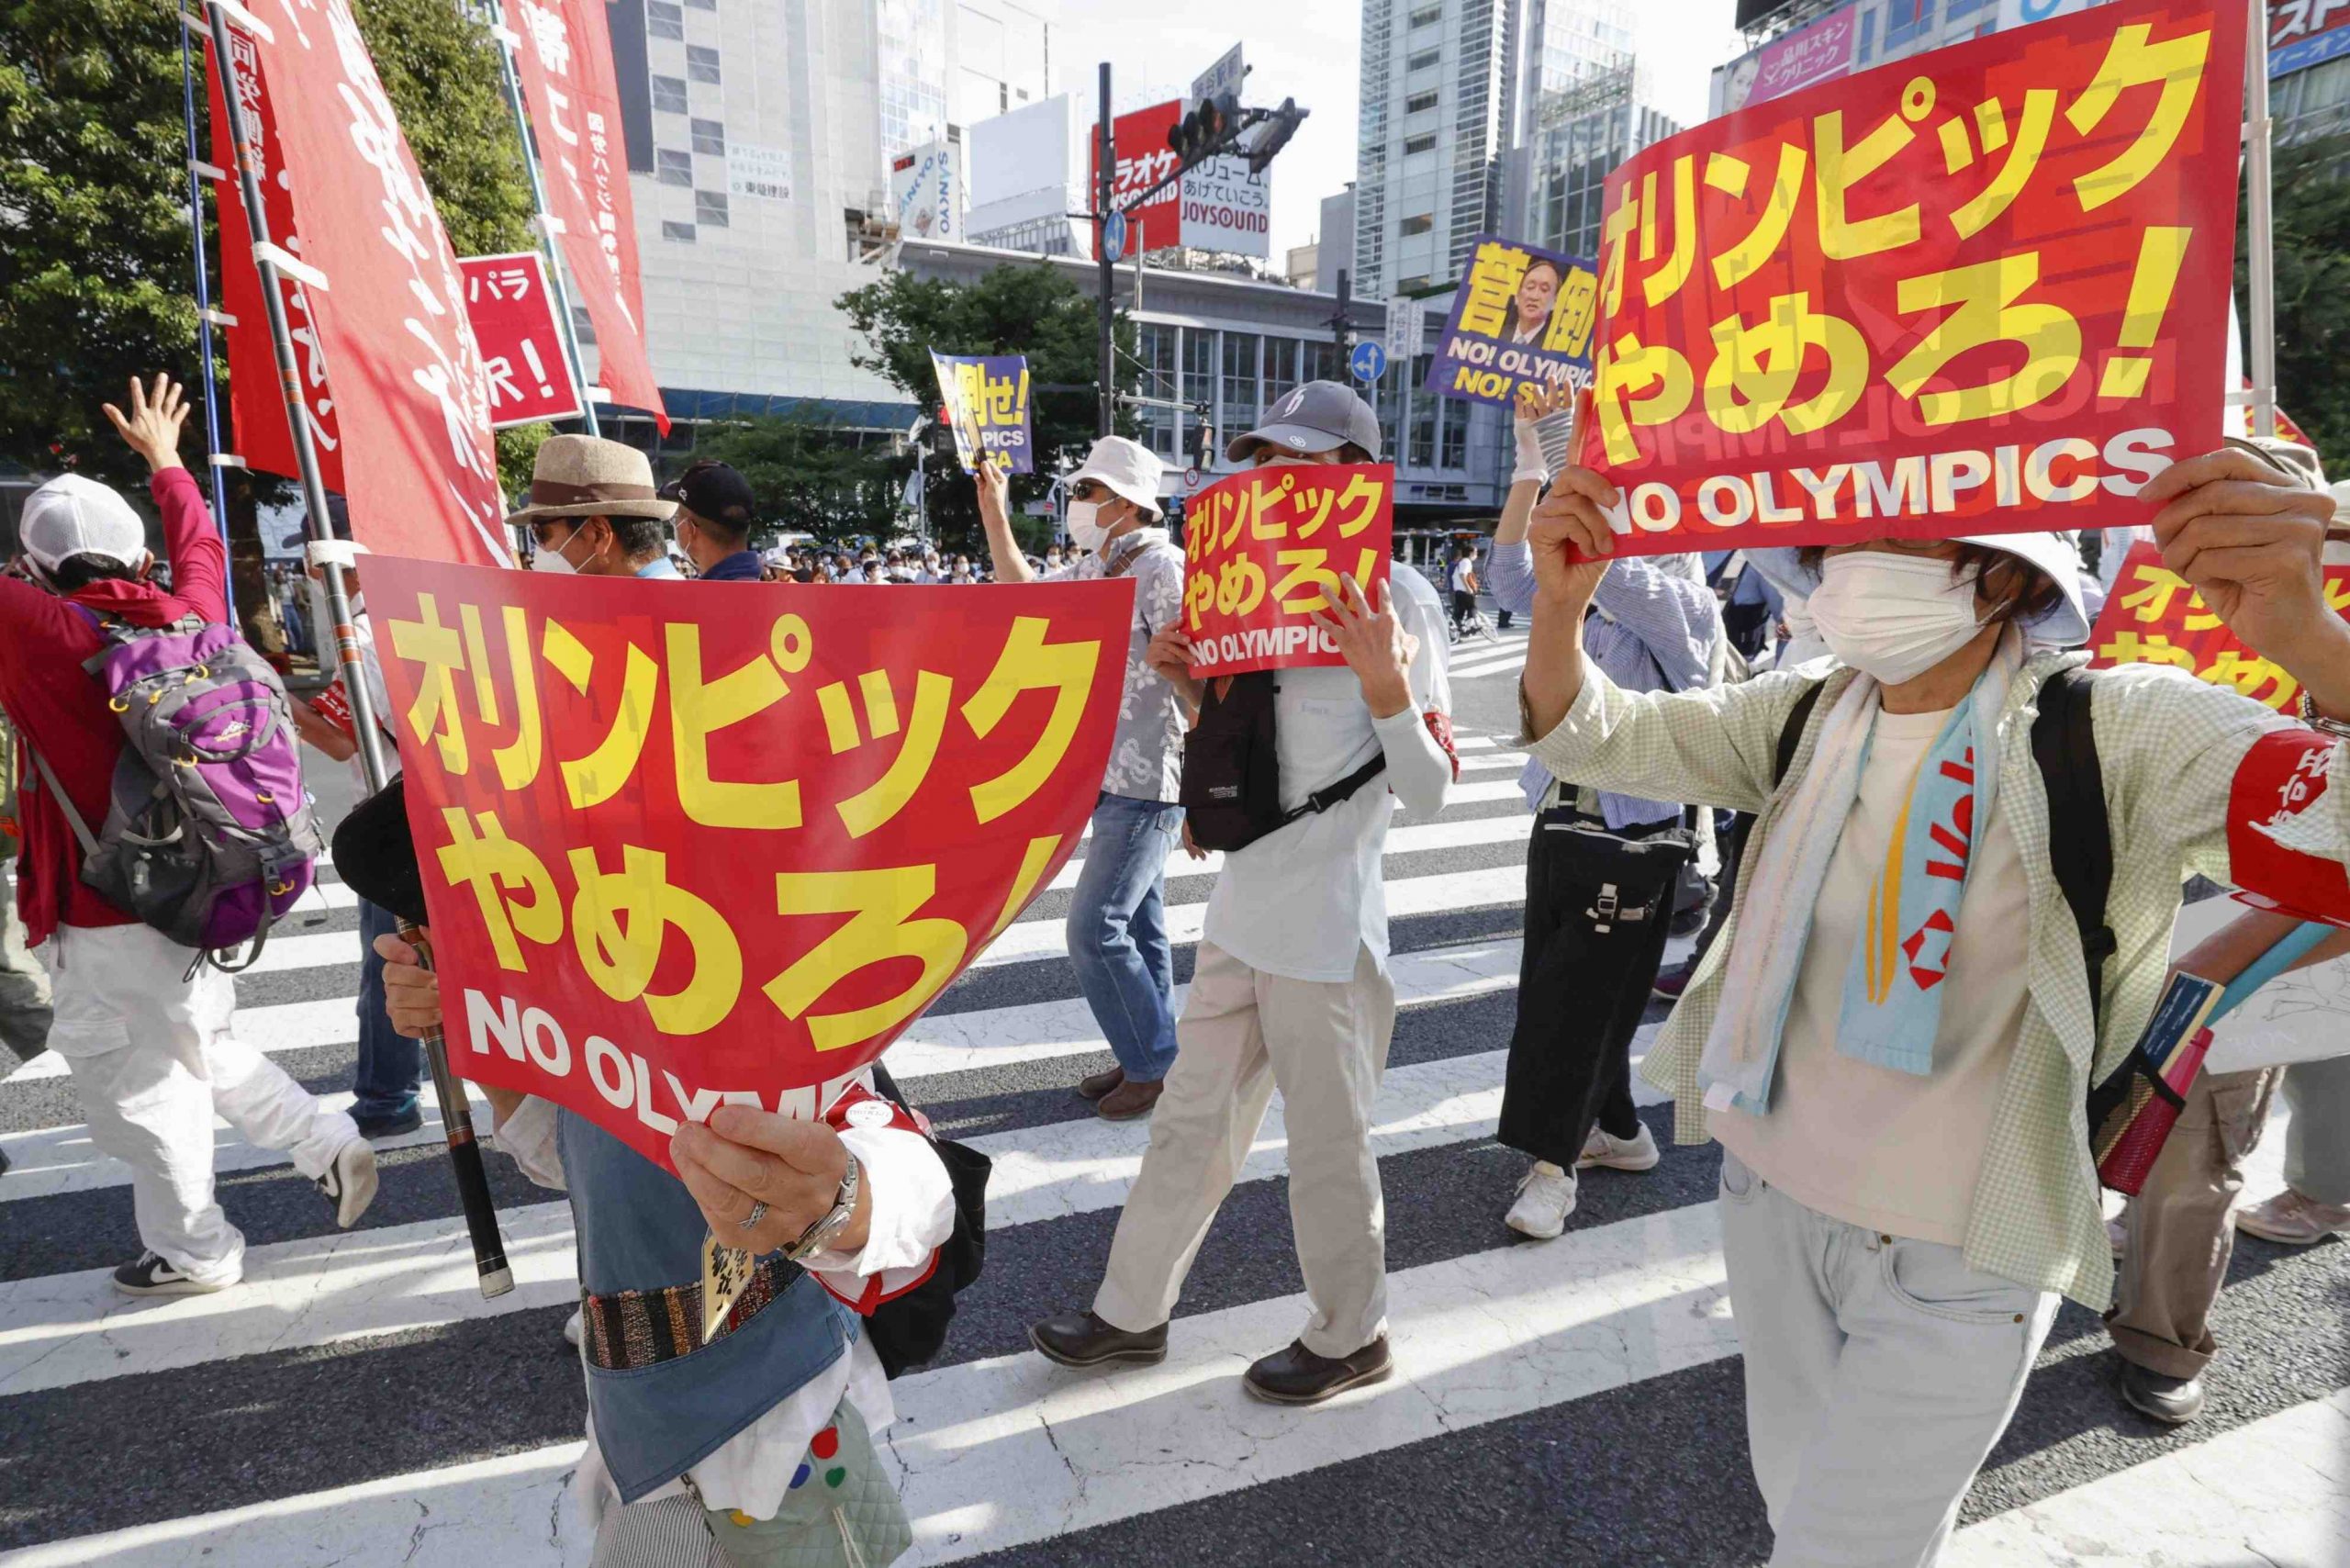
x=149, y=1275
x=393, y=1125
x=3, y=1162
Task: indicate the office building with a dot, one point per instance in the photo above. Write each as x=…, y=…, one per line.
x=1303, y=264
x=1335, y=253
x=1027, y=176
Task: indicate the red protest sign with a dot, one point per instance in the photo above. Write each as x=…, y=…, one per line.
x=1976, y=290
x=1143, y=159
x=563, y=56
x=1263, y=550
x=391, y=313
x=682, y=846
x=522, y=346
x=256, y=402
x=2153, y=616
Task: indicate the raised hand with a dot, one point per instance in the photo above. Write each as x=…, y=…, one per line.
x=1571, y=539
x=1373, y=641
x=152, y=428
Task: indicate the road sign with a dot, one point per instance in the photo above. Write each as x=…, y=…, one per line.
x=1191, y=478
x=1114, y=235
x=1403, y=328
x=1368, y=362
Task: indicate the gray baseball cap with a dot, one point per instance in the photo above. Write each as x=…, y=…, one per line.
x=1314, y=418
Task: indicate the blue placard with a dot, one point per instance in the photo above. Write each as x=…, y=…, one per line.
x=1523, y=317
x=1114, y=235
x=1368, y=362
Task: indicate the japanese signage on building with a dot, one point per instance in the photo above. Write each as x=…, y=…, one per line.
x=1817, y=52
x=522, y=344
x=1143, y=160
x=1263, y=550
x=684, y=847
x=1982, y=288
x=986, y=398
x=763, y=173
x=926, y=191
x=1522, y=317
x=2153, y=617
x=2302, y=33
x=1228, y=209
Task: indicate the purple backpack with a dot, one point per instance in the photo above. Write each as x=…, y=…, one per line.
x=209, y=836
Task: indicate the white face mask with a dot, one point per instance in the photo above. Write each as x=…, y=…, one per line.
x=1893, y=617
x=1085, y=528
x=551, y=558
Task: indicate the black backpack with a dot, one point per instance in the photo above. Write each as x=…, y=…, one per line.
x=2080, y=852
x=908, y=1330
x=1232, y=769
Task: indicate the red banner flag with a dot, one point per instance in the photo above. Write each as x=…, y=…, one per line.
x=418, y=465
x=512, y=312
x=1976, y=290
x=1261, y=548
x=1143, y=159
x=2153, y=616
x=564, y=54
x=256, y=404
x=683, y=846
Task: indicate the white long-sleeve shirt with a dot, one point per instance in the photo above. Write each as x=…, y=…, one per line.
x=912, y=1215
x=1303, y=900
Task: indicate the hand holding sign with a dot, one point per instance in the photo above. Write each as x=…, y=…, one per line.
x=1373, y=643
x=783, y=1171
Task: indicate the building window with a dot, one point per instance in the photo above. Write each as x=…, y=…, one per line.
x=672, y=167
x=1321, y=361
x=1281, y=367
x=710, y=136
x=1420, y=101
x=1424, y=410
x=1905, y=19
x=710, y=206
x=1452, y=434
x=1954, y=9
x=1413, y=145
x=1427, y=16
x=1155, y=347
x=701, y=4
x=1423, y=60
x=682, y=232
x=583, y=326
x=702, y=64
x=1240, y=379
x=1199, y=369
x=1419, y=224
x=669, y=94
x=664, y=19
x=1412, y=284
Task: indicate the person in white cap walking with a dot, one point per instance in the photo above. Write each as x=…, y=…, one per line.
x=145, y=1033
x=1117, y=919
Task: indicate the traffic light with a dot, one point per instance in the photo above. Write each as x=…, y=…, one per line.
x=1203, y=133
x=1279, y=128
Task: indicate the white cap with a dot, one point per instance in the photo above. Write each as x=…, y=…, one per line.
x=75, y=516
x=1125, y=468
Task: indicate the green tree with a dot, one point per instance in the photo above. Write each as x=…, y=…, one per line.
x=1028, y=308
x=811, y=478
x=2311, y=224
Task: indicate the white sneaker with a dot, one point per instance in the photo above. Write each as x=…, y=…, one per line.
x=1545, y=1196
x=149, y=1275
x=2294, y=1219
x=1636, y=1153
x=573, y=1328
x=350, y=1183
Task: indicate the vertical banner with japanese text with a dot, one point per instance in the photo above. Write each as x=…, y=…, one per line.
x=522, y=344
x=1144, y=159
x=684, y=847
x=2153, y=616
x=564, y=55
x=256, y=401
x=1263, y=550
x=1983, y=289
x=987, y=405
x=1521, y=318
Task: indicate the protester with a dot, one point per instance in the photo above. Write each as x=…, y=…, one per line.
x=145, y=1028
x=593, y=510
x=1117, y=913
x=1463, y=580
x=2176, y=1238
x=1601, y=873
x=1292, y=984
x=695, y=1445
x=1905, y=1187
x=715, y=512
x=25, y=1011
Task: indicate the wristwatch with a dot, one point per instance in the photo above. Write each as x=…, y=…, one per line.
x=2339, y=729
x=819, y=1236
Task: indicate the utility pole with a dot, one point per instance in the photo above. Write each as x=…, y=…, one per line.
x=1105, y=174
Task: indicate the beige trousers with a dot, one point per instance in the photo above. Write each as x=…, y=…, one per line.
x=1243, y=1033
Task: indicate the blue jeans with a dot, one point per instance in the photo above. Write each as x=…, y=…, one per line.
x=390, y=1064
x=1117, y=933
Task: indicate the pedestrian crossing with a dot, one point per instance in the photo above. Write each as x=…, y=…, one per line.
x=355, y=1402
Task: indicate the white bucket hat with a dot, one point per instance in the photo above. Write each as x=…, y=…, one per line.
x=1125, y=468
x=2065, y=625
x=75, y=516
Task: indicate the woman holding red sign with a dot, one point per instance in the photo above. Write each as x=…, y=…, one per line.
x=1896, y=1056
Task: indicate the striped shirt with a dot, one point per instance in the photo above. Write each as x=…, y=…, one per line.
x=2169, y=747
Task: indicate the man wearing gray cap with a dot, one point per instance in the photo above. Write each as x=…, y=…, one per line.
x=1117, y=919
x=1291, y=987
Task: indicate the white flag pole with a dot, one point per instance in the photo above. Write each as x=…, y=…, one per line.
x=2261, y=240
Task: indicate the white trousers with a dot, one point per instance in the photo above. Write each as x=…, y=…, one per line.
x=1243, y=1032
x=129, y=1027
x=1879, y=1371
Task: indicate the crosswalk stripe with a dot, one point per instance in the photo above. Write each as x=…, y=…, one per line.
x=1412, y=839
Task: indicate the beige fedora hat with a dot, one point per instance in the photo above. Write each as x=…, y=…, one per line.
x=580, y=475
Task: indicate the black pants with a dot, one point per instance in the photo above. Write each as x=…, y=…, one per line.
x=1597, y=905
x=1747, y=626
x=1464, y=609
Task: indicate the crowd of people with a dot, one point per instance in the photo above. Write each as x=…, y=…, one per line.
x=1905, y=1192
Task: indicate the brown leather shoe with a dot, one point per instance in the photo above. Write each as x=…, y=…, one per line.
x=1298, y=1376
x=1095, y=1085
x=1131, y=1099
x=1081, y=1339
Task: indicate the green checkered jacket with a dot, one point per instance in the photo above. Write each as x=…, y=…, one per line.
x=2169, y=746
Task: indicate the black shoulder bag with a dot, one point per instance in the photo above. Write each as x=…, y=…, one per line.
x=1232, y=769
x=909, y=1330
